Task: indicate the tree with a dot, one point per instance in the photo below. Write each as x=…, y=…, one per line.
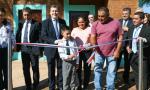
x=142, y=2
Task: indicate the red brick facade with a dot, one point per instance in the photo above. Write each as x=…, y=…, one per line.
x=115, y=6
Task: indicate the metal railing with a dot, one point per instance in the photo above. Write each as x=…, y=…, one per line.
x=9, y=64
x=140, y=64
x=140, y=83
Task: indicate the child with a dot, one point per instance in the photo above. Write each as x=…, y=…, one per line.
x=70, y=59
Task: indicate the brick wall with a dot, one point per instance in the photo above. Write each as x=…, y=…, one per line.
x=115, y=6
x=8, y=4
x=47, y=2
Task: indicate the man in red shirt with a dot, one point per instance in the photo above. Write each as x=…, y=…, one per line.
x=106, y=30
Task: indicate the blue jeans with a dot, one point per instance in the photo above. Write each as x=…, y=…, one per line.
x=111, y=71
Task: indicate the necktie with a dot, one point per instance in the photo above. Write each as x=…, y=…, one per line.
x=134, y=41
x=26, y=33
x=56, y=29
x=68, y=49
x=125, y=23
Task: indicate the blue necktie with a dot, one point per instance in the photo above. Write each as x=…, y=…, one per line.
x=56, y=29
x=25, y=39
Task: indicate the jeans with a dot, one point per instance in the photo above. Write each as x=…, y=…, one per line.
x=111, y=71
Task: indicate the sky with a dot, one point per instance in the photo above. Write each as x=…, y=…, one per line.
x=146, y=8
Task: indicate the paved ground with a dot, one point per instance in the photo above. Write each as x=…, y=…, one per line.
x=18, y=80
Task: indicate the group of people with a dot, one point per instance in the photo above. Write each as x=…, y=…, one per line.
x=136, y=27
x=69, y=61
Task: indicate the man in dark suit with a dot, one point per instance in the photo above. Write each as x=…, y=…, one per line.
x=50, y=32
x=136, y=31
x=29, y=32
x=126, y=22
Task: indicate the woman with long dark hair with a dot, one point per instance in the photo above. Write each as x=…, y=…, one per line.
x=147, y=19
x=81, y=34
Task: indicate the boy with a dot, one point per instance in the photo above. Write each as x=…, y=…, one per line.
x=70, y=60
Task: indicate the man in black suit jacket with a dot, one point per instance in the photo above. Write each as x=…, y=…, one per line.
x=50, y=32
x=136, y=31
x=29, y=32
x=126, y=22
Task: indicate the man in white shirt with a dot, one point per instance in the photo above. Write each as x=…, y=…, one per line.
x=29, y=32
x=136, y=31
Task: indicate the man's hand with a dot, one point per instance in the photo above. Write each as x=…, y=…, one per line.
x=144, y=39
x=129, y=49
x=14, y=49
x=125, y=28
x=86, y=46
x=116, y=55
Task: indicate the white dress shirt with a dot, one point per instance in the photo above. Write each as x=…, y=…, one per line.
x=5, y=30
x=136, y=33
x=63, y=51
x=23, y=31
x=124, y=23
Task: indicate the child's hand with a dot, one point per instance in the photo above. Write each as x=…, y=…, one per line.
x=71, y=56
x=58, y=41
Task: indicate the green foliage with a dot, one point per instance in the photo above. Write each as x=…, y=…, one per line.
x=142, y=2
x=145, y=1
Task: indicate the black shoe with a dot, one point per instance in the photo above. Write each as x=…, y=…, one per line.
x=79, y=88
x=85, y=88
x=28, y=88
x=35, y=87
x=60, y=89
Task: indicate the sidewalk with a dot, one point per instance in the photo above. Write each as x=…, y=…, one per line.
x=18, y=78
